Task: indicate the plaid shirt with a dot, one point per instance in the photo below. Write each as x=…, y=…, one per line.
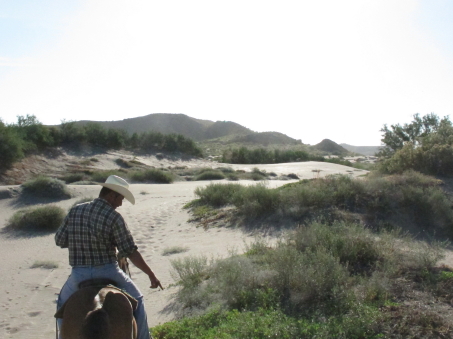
x=92, y=232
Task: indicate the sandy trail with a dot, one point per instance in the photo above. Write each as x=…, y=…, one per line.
x=157, y=221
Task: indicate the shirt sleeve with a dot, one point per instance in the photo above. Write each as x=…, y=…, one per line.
x=123, y=238
x=61, y=237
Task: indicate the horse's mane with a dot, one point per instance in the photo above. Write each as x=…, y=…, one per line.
x=96, y=325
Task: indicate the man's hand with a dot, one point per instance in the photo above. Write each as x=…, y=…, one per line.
x=155, y=283
x=138, y=261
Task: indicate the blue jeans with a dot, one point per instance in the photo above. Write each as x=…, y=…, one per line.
x=110, y=271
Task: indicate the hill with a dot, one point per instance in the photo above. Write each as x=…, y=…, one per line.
x=266, y=138
x=364, y=150
x=212, y=135
x=330, y=147
x=166, y=123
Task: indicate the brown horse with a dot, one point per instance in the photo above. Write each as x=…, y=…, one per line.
x=101, y=312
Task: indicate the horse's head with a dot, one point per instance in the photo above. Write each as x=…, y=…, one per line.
x=104, y=313
x=96, y=325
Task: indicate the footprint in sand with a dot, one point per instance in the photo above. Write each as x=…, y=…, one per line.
x=34, y=314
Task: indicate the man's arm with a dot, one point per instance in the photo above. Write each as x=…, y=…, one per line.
x=61, y=236
x=138, y=261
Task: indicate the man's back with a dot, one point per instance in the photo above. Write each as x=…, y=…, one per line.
x=92, y=232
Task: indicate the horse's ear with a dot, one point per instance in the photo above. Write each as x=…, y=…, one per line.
x=60, y=312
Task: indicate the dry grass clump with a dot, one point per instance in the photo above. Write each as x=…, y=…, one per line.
x=45, y=218
x=46, y=187
x=174, y=250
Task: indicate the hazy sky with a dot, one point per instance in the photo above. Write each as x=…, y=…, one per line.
x=309, y=69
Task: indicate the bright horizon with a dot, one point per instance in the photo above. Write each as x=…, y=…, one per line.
x=310, y=70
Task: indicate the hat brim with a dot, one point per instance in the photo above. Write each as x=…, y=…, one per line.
x=121, y=190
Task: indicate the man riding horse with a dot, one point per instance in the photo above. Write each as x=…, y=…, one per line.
x=93, y=233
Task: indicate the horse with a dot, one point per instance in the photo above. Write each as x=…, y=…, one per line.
x=99, y=310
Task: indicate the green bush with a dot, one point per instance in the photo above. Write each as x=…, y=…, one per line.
x=152, y=175
x=46, y=218
x=46, y=187
x=264, y=324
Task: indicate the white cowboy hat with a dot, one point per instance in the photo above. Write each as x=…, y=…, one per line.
x=119, y=185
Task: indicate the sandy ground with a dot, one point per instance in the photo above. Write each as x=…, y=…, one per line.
x=157, y=221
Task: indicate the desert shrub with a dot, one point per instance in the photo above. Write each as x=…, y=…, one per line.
x=101, y=176
x=410, y=200
x=46, y=218
x=210, y=175
x=232, y=177
x=152, y=175
x=136, y=162
x=255, y=176
x=355, y=247
x=225, y=170
x=309, y=275
x=155, y=141
x=256, y=201
x=123, y=163
x=217, y=194
x=244, y=155
x=46, y=187
x=72, y=177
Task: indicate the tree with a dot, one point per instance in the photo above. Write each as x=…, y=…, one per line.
x=425, y=145
x=395, y=137
x=34, y=134
x=96, y=134
x=10, y=146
